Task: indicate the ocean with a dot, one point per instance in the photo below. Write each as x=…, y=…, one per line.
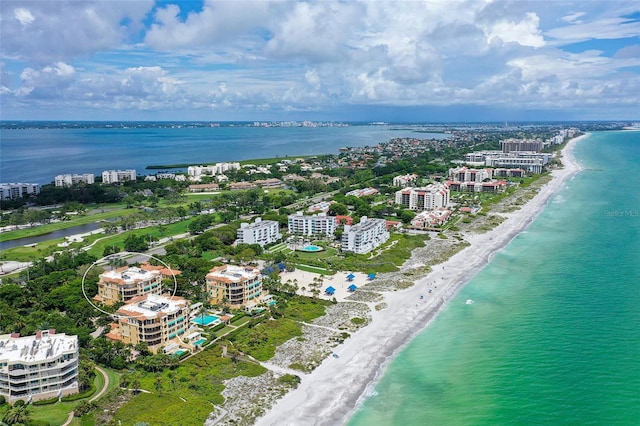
x=37, y=155
x=549, y=332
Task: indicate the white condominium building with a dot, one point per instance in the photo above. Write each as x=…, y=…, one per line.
x=11, y=191
x=532, y=162
x=463, y=174
x=115, y=176
x=37, y=367
x=365, y=236
x=196, y=172
x=69, y=179
x=317, y=224
x=430, y=197
x=260, y=232
x=404, y=180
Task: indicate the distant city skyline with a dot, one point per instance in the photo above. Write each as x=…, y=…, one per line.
x=402, y=61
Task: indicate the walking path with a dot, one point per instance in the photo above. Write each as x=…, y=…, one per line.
x=95, y=397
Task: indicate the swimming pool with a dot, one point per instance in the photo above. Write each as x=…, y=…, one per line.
x=180, y=352
x=271, y=302
x=199, y=342
x=205, y=320
x=311, y=248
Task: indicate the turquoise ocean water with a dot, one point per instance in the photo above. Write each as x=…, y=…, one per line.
x=553, y=334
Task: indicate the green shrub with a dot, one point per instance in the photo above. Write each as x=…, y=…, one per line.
x=78, y=396
x=358, y=321
x=236, y=317
x=218, y=327
x=290, y=379
x=46, y=401
x=19, y=403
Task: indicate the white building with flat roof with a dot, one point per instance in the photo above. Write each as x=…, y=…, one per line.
x=261, y=232
x=404, y=180
x=37, y=367
x=195, y=173
x=69, y=179
x=365, y=236
x=430, y=197
x=318, y=224
x=464, y=174
x=11, y=191
x=115, y=176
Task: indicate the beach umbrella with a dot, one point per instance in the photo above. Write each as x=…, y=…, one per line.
x=352, y=288
x=350, y=277
x=330, y=290
x=371, y=275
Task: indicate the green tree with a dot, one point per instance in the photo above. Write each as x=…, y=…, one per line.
x=17, y=415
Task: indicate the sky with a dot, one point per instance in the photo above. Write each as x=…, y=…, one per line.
x=436, y=60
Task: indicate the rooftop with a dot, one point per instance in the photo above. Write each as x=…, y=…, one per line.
x=151, y=305
x=233, y=273
x=129, y=275
x=39, y=347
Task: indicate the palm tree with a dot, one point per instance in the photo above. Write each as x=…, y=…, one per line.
x=17, y=415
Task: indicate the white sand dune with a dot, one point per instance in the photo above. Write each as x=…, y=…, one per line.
x=329, y=394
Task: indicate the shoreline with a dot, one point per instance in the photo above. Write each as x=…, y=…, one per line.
x=332, y=392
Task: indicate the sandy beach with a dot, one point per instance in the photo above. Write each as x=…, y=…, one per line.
x=331, y=392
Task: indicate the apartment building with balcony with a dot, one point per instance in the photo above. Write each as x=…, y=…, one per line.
x=261, y=232
x=11, y=191
x=123, y=284
x=430, y=197
x=312, y=225
x=41, y=366
x=157, y=320
x=69, y=179
x=365, y=236
x=464, y=174
x=116, y=176
x=233, y=285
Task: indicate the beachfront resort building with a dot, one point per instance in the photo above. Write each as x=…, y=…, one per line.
x=38, y=367
x=464, y=174
x=365, y=236
x=430, y=197
x=312, y=225
x=154, y=319
x=117, y=176
x=261, y=232
x=123, y=284
x=11, y=191
x=233, y=285
x=69, y=179
x=531, y=162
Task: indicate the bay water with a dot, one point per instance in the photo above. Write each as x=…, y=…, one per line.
x=38, y=154
x=549, y=332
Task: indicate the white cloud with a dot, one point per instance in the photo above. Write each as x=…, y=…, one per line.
x=23, y=15
x=526, y=32
x=311, y=55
